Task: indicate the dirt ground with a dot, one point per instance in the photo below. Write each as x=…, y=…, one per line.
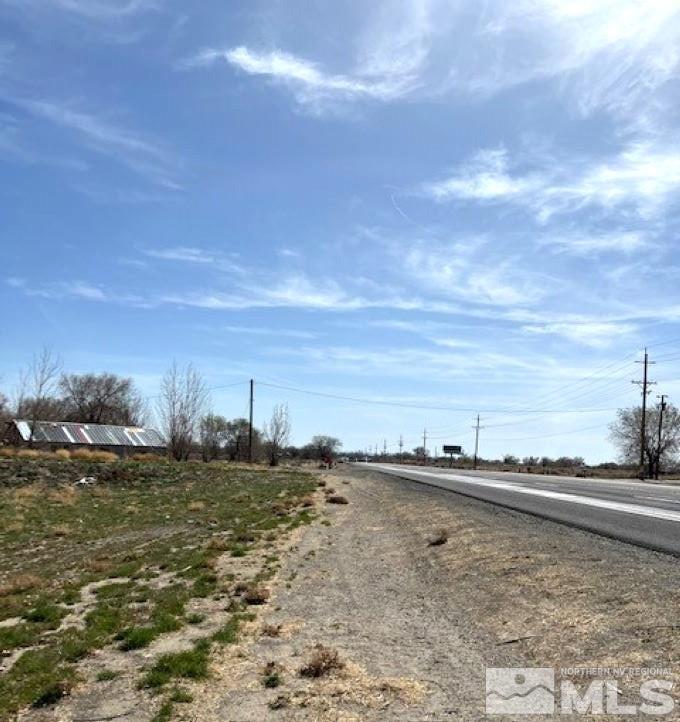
x=415, y=624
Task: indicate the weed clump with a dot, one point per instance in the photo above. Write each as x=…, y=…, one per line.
x=336, y=499
x=256, y=594
x=190, y=664
x=441, y=537
x=322, y=662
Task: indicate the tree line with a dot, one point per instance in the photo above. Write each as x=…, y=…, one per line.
x=182, y=410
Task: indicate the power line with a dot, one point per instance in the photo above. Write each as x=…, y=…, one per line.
x=377, y=402
x=547, y=436
x=543, y=398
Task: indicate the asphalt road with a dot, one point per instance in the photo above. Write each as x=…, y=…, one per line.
x=636, y=512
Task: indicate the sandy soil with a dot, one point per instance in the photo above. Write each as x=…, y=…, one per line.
x=415, y=625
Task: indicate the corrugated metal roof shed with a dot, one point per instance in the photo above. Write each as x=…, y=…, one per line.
x=67, y=433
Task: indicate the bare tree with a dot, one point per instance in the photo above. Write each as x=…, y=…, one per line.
x=625, y=433
x=102, y=399
x=214, y=431
x=37, y=385
x=182, y=402
x=4, y=409
x=277, y=433
x=325, y=446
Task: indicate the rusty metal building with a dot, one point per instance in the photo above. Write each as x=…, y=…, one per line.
x=122, y=440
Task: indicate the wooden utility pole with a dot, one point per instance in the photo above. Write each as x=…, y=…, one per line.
x=401, y=448
x=424, y=446
x=250, y=423
x=662, y=408
x=644, y=384
x=476, y=427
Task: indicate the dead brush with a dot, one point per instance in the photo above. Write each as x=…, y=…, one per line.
x=271, y=630
x=321, y=662
x=7, y=452
x=140, y=456
x=336, y=499
x=307, y=501
x=100, y=565
x=217, y=544
x=256, y=594
x=441, y=537
x=20, y=583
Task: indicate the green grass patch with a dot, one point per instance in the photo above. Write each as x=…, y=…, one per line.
x=137, y=520
x=165, y=712
x=190, y=664
x=181, y=696
x=272, y=680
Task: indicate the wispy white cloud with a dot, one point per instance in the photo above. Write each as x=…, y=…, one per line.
x=217, y=260
x=643, y=177
x=137, y=152
x=590, y=333
x=311, y=85
x=91, y=9
x=414, y=362
x=107, y=9
x=593, y=244
x=453, y=271
x=67, y=289
x=484, y=178
x=265, y=331
x=607, y=54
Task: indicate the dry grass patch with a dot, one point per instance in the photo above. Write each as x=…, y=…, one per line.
x=28, y=454
x=196, y=506
x=19, y=584
x=87, y=455
x=271, y=630
x=64, y=495
x=322, y=662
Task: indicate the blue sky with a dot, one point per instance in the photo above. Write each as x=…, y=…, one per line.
x=456, y=204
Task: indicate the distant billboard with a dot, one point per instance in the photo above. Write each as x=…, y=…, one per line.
x=449, y=449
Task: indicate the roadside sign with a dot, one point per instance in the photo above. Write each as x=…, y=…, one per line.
x=448, y=449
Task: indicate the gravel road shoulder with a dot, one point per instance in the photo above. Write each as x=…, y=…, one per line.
x=416, y=624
